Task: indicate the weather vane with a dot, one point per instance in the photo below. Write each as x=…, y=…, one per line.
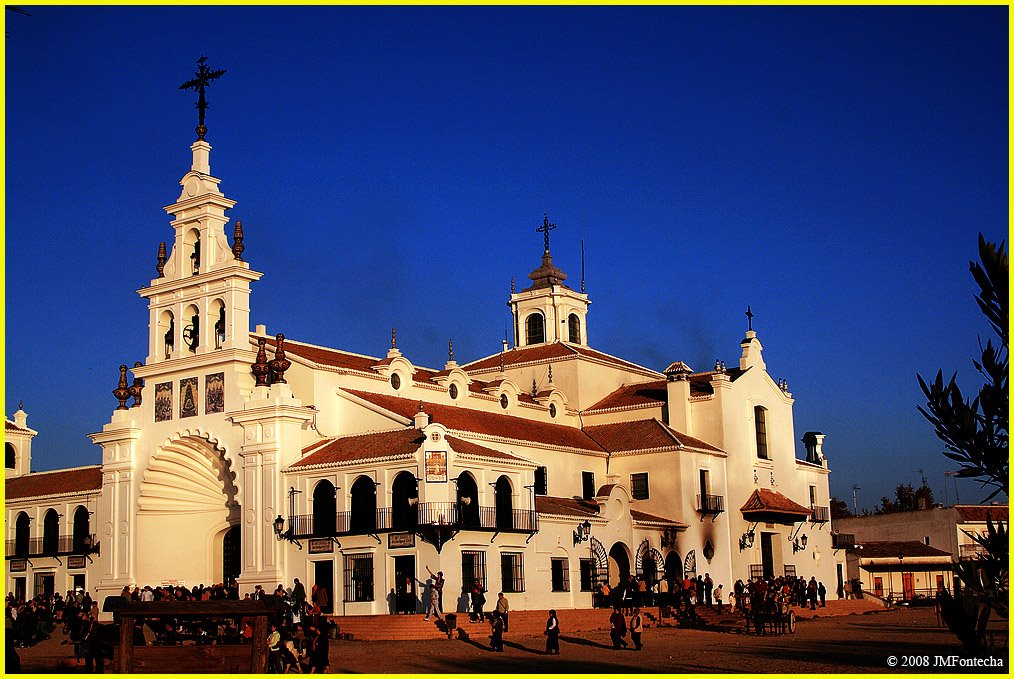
x=546, y=228
x=202, y=79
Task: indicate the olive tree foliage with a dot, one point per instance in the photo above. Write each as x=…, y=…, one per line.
x=975, y=434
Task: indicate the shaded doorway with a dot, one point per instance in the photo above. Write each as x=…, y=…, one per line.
x=619, y=564
x=230, y=555
x=405, y=584
x=323, y=577
x=767, y=555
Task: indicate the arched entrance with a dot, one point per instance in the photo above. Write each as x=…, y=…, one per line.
x=468, y=500
x=325, y=513
x=504, y=504
x=673, y=567
x=404, y=500
x=81, y=530
x=187, y=504
x=619, y=564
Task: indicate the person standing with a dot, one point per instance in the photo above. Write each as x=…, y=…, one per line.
x=503, y=609
x=478, y=601
x=822, y=593
x=718, y=598
x=438, y=582
x=433, y=605
x=636, y=628
x=496, y=640
x=552, y=634
x=298, y=595
x=617, y=628
x=708, y=585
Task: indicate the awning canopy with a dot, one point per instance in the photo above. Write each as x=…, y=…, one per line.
x=770, y=506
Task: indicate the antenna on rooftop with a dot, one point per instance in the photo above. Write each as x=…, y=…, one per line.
x=582, y=265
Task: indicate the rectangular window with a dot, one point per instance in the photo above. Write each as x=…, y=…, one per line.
x=473, y=567
x=358, y=577
x=639, y=486
x=760, y=424
x=588, y=574
x=813, y=496
x=512, y=571
x=790, y=570
x=588, y=485
x=541, y=481
x=560, y=574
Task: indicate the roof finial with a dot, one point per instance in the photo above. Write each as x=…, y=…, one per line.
x=160, y=262
x=21, y=405
x=545, y=229
x=237, y=242
x=582, y=265
x=512, y=285
x=749, y=318
x=394, y=337
x=535, y=388
x=450, y=350
x=260, y=367
x=201, y=80
x=279, y=364
x=121, y=392
x=550, y=373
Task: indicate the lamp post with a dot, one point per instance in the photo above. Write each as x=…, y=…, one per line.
x=583, y=532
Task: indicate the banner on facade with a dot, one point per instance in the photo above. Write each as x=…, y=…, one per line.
x=436, y=466
x=75, y=562
x=400, y=540
x=320, y=546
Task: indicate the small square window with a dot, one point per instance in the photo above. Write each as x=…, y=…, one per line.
x=639, y=486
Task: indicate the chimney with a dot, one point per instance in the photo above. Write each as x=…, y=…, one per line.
x=421, y=419
x=814, y=440
x=21, y=417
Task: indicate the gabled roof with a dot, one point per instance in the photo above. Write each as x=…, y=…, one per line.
x=645, y=517
x=58, y=482
x=643, y=435
x=770, y=504
x=481, y=422
x=891, y=549
x=547, y=352
x=979, y=512
x=645, y=393
x=565, y=506
x=385, y=444
x=325, y=357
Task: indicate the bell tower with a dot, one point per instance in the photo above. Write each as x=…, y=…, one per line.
x=549, y=311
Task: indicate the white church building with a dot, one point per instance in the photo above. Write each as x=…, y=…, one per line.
x=540, y=470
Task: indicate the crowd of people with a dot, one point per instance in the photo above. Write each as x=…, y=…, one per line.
x=74, y=615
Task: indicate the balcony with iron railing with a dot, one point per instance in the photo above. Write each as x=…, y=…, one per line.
x=819, y=514
x=843, y=541
x=710, y=504
x=971, y=551
x=386, y=520
x=62, y=545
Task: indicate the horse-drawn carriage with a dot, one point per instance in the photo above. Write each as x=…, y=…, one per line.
x=769, y=614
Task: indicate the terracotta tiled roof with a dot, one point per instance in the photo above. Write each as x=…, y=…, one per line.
x=480, y=422
x=376, y=445
x=547, y=352
x=565, y=506
x=879, y=550
x=79, y=480
x=645, y=393
x=10, y=426
x=642, y=435
x=324, y=356
x=771, y=502
x=362, y=447
x=638, y=515
x=978, y=512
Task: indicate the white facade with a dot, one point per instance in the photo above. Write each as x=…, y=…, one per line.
x=670, y=469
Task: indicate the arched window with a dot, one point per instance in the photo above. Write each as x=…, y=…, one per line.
x=167, y=328
x=325, y=512
x=22, y=527
x=761, y=427
x=192, y=329
x=10, y=456
x=51, y=533
x=535, y=326
x=504, y=503
x=364, y=506
x=574, y=329
x=404, y=500
x=468, y=500
x=82, y=533
x=218, y=316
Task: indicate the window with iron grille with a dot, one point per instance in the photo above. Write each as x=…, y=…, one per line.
x=473, y=567
x=358, y=577
x=639, y=486
x=790, y=570
x=760, y=424
x=589, y=575
x=512, y=571
x=588, y=485
x=559, y=571
x=756, y=570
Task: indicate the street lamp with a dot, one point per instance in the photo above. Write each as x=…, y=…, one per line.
x=582, y=533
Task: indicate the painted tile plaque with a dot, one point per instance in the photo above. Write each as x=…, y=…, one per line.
x=188, y=397
x=163, y=401
x=214, y=393
x=436, y=466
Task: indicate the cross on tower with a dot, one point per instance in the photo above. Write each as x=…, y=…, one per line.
x=202, y=79
x=546, y=228
x=749, y=318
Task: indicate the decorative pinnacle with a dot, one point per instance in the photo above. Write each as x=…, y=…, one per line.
x=749, y=318
x=121, y=392
x=450, y=350
x=545, y=229
x=394, y=337
x=237, y=242
x=160, y=262
x=201, y=80
x=550, y=373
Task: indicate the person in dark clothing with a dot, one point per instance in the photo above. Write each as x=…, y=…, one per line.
x=496, y=639
x=552, y=634
x=617, y=628
x=822, y=594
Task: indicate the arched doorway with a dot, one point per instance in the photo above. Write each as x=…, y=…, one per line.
x=619, y=564
x=81, y=530
x=504, y=504
x=364, y=506
x=231, y=564
x=404, y=500
x=187, y=502
x=673, y=567
x=468, y=500
x=325, y=512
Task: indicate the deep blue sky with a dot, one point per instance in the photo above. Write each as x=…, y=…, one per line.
x=829, y=166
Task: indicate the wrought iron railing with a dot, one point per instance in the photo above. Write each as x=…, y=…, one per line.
x=819, y=514
x=385, y=520
x=971, y=551
x=710, y=504
x=843, y=541
x=52, y=546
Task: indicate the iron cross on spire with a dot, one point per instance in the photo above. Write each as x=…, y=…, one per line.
x=749, y=318
x=546, y=228
x=201, y=80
